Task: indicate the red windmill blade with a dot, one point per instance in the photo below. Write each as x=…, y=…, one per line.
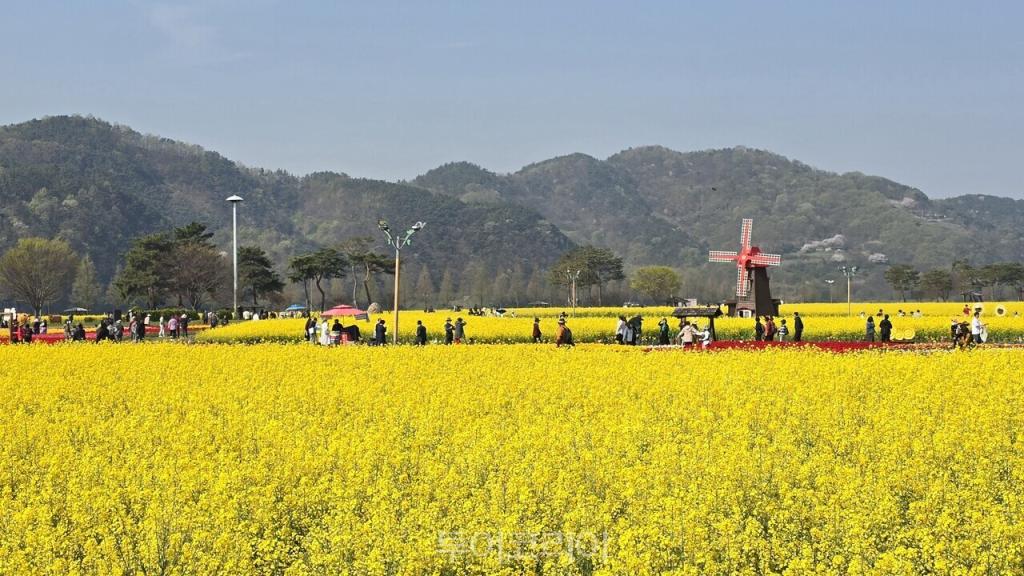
x=745, y=228
x=742, y=282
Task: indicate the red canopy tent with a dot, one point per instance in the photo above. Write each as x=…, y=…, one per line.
x=346, y=310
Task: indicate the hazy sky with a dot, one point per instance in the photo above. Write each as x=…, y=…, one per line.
x=930, y=94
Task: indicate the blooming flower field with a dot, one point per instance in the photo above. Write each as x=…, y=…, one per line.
x=823, y=322
x=289, y=459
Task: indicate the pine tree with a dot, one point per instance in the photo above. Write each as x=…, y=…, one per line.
x=425, y=292
x=446, y=291
x=85, y=291
x=500, y=289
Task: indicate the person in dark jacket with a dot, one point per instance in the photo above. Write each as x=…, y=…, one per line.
x=869, y=329
x=758, y=329
x=798, y=327
x=101, y=332
x=421, y=333
x=449, y=331
x=459, y=330
x=536, y=330
x=885, y=329
x=663, y=337
x=310, y=330
x=769, y=328
x=380, y=333
x=78, y=334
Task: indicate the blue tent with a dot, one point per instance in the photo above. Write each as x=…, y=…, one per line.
x=295, y=308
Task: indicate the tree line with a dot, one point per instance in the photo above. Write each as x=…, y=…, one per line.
x=183, y=268
x=961, y=277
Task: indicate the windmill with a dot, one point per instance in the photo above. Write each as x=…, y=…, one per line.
x=753, y=292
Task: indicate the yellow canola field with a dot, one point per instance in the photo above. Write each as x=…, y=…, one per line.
x=286, y=459
x=595, y=328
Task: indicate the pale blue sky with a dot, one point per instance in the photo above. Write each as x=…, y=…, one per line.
x=926, y=93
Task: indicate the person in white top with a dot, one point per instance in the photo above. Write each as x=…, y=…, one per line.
x=325, y=334
x=162, y=324
x=976, y=328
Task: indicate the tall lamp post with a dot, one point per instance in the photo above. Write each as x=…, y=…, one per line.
x=234, y=199
x=572, y=276
x=849, y=272
x=398, y=242
x=830, y=283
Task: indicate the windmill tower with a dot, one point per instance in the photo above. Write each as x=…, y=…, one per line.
x=753, y=292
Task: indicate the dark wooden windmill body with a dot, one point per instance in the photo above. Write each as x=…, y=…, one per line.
x=753, y=291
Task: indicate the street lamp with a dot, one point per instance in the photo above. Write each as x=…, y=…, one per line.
x=830, y=283
x=234, y=199
x=849, y=272
x=398, y=242
x=572, y=276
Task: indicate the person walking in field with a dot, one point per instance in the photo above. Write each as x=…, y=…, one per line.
x=172, y=326
x=310, y=330
x=758, y=329
x=620, y=330
x=163, y=327
x=976, y=327
x=769, y=329
x=783, y=331
x=325, y=333
x=687, y=334
x=798, y=327
x=563, y=336
x=869, y=329
x=449, y=331
x=536, y=330
x=459, y=330
x=421, y=333
x=380, y=333
x=885, y=329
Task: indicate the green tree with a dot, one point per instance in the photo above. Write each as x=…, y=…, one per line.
x=368, y=263
x=147, y=270
x=937, y=282
x=300, y=271
x=323, y=264
x=197, y=272
x=256, y=273
x=659, y=283
x=902, y=278
x=596, y=266
x=38, y=271
x=193, y=233
x=1001, y=274
x=85, y=291
x=446, y=291
x=425, y=292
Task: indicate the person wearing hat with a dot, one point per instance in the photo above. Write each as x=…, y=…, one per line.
x=563, y=336
x=536, y=330
x=449, y=331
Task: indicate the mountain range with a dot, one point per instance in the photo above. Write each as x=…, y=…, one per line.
x=99, y=185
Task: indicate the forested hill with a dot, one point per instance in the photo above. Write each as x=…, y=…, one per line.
x=99, y=185
x=817, y=220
